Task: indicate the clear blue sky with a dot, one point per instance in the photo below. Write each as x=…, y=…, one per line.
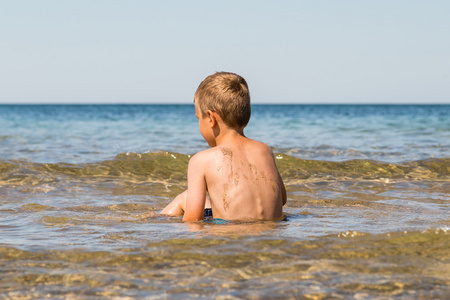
x=143, y=51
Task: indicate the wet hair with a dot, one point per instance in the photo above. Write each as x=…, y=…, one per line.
x=226, y=94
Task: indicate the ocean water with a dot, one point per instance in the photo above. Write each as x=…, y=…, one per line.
x=367, y=215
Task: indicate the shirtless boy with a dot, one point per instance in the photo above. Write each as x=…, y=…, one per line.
x=239, y=174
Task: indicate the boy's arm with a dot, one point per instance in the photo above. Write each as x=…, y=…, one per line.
x=283, y=189
x=196, y=193
x=177, y=206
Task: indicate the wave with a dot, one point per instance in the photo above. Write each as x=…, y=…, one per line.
x=171, y=168
x=292, y=169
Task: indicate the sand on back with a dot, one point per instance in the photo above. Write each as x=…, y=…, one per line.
x=243, y=181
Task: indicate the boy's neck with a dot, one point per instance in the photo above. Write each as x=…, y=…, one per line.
x=228, y=135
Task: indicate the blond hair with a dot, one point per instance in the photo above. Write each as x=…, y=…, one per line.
x=226, y=94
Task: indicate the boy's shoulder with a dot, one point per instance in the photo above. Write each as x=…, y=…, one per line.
x=260, y=146
x=257, y=148
x=249, y=144
x=252, y=147
x=203, y=156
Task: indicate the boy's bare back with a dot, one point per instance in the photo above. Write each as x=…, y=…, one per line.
x=242, y=180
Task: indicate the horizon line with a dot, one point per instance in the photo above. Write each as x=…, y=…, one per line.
x=257, y=103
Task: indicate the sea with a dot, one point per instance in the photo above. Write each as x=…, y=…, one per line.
x=367, y=216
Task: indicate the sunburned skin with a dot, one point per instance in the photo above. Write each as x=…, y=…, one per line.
x=241, y=179
x=244, y=184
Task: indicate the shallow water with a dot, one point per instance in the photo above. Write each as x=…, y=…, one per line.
x=367, y=214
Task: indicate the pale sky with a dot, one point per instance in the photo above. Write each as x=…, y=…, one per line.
x=143, y=51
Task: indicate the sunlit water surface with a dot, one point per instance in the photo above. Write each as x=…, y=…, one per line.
x=367, y=214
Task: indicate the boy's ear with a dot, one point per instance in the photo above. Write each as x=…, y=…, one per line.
x=212, y=118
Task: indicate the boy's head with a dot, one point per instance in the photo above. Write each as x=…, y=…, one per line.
x=226, y=94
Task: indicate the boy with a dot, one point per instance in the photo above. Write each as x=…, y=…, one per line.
x=238, y=173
